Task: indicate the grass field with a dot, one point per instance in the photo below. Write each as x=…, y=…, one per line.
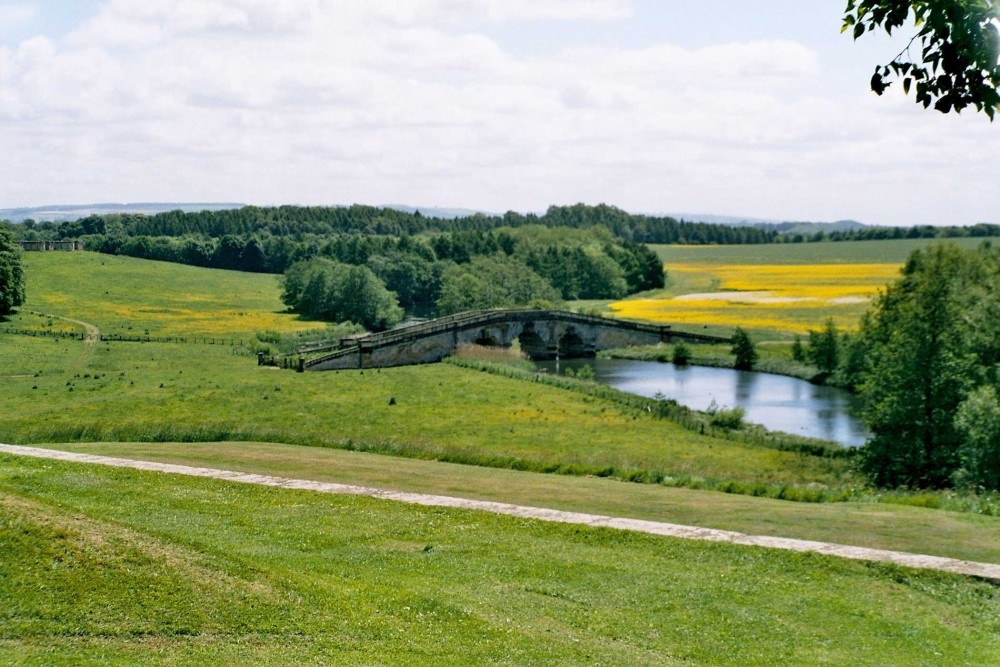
x=116, y=567
x=108, y=567
x=777, y=289
x=126, y=297
x=168, y=392
x=880, y=526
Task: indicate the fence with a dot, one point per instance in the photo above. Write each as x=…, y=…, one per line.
x=123, y=338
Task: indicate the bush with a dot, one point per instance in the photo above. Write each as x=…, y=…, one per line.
x=744, y=350
x=682, y=354
x=728, y=418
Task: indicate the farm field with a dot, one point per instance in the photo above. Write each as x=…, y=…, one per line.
x=779, y=289
x=125, y=566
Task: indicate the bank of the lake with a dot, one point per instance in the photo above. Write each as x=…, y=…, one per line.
x=778, y=402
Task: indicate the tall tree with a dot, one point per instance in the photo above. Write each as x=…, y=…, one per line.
x=823, y=350
x=744, y=350
x=11, y=273
x=953, y=60
x=920, y=368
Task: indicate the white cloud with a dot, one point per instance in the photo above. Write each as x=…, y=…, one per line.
x=335, y=101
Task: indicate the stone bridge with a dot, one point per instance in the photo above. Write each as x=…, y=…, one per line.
x=542, y=334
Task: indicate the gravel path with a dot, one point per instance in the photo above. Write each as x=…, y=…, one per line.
x=989, y=571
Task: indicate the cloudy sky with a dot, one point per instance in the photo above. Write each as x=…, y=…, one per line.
x=721, y=106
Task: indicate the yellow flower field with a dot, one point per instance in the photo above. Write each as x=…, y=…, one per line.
x=792, y=298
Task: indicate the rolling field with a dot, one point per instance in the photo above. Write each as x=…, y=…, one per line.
x=113, y=566
x=779, y=289
x=122, y=296
x=205, y=392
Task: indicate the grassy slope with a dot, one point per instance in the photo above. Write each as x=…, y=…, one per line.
x=143, y=392
x=112, y=567
x=148, y=392
x=881, y=526
x=121, y=295
x=152, y=391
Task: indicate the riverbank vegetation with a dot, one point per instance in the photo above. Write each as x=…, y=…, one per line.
x=923, y=357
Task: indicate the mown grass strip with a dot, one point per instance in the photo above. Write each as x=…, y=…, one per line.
x=120, y=566
x=866, y=524
x=987, y=571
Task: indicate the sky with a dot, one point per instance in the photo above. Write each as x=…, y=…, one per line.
x=757, y=109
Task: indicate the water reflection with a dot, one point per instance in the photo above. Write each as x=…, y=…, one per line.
x=780, y=403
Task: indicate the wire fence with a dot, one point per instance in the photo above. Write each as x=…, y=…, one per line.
x=127, y=338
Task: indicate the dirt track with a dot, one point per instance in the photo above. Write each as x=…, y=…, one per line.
x=989, y=571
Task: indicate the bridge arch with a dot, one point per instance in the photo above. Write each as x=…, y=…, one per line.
x=487, y=339
x=532, y=343
x=572, y=346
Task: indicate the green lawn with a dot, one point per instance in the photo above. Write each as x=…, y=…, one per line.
x=880, y=526
x=105, y=566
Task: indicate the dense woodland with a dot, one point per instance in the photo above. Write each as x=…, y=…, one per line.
x=296, y=221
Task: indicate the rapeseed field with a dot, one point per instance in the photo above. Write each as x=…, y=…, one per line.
x=793, y=298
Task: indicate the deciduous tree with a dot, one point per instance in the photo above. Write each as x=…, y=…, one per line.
x=11, y=273
x=920, y=368
x=953, y=60
x=744, y=350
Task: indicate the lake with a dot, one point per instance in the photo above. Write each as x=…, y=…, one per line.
x=777, y=402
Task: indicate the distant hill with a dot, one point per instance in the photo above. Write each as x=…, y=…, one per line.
x=782, y=226
x=435, y=212
x=63, y=213
x=76, y=211
x=813, y=227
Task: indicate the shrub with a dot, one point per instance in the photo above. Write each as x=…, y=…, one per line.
x=728, y=418
x=743, y=349
x=682, y=354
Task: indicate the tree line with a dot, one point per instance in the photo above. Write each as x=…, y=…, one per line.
x=294, y=221
x=926, y=363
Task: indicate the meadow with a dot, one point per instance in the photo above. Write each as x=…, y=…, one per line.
x=107, y=566
x=127, y=298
